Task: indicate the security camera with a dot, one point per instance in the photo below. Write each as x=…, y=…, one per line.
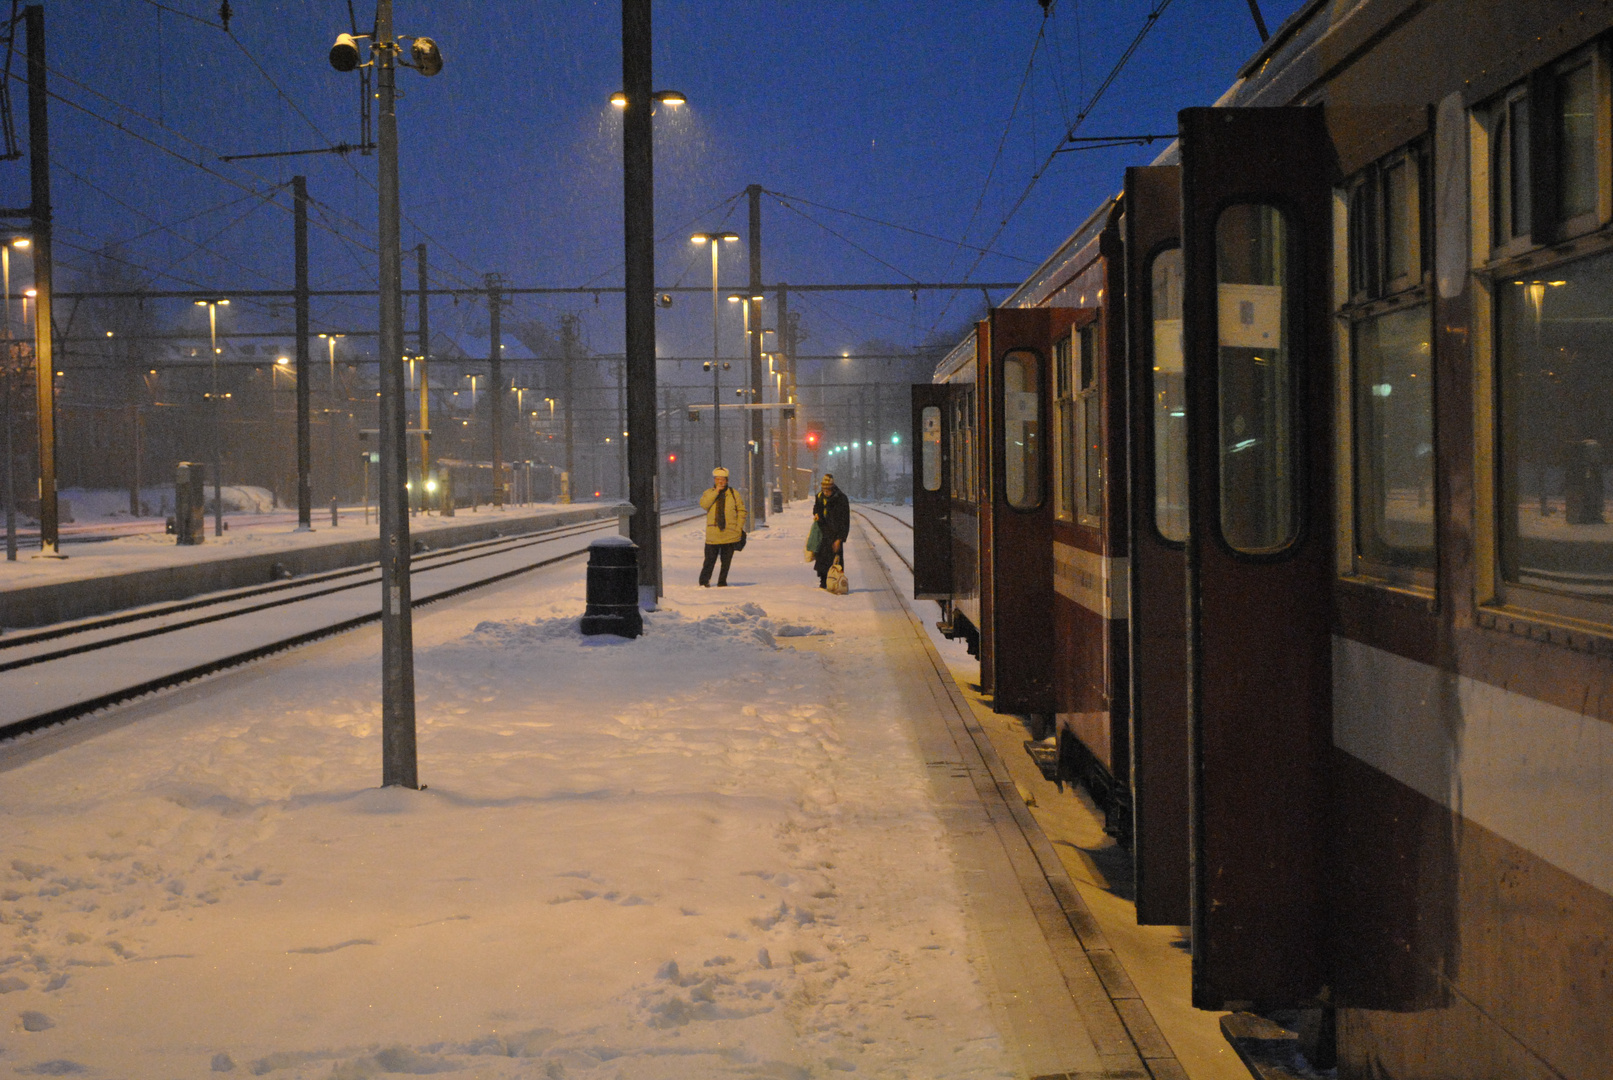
x=427, y=57
x=344, y=54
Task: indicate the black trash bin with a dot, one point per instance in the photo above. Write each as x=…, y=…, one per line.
x=778, y=501
x=190, y=503
x=613, y=588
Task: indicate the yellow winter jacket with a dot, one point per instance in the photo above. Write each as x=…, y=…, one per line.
x=734, y=511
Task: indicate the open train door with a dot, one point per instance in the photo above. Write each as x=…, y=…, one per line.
x=1016, y=654
x=1256, y=242
x=932, y=492
x=1158, y=446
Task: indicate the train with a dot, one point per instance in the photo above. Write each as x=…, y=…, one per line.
x=1277, y=497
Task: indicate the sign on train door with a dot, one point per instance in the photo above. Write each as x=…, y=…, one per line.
x=1158, y=446
x=932, y=492
x=1256, y=235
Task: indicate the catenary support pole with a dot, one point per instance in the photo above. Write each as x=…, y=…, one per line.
x=399, y=767
x=638, y=213
x=44, y=357
x=305, y=495
x=758, y=469
x=425, y=369
x=495, y=380
x=787, y=362
x=568, y=360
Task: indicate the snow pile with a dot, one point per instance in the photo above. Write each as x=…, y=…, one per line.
x=699, y=853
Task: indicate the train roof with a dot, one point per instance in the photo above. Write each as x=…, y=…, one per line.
x=961, y=354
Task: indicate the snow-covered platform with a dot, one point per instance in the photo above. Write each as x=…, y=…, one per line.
x=149, y=568
x=773, y=837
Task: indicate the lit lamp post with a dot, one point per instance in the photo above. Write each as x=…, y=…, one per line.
x=753, y=445
x=212, y=307
x=10, y=376
x=331, y=413
x=399, y=765
x=716, y=340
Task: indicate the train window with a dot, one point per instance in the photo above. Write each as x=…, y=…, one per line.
x=930, y=447
x=1394, y=438
x=1022, y=429
x=1576, y=139
x=1065, y=439
x=1170, y=398
x=1402, y=221
x=1556, y=429
x=1090, y=422
x=1254, y=378
x=1510, y=168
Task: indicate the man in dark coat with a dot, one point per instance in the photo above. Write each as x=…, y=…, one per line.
x=832, y=511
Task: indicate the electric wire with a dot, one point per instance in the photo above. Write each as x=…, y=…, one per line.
x=889, y=224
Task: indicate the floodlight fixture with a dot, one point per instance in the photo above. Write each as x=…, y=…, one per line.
x=344, y=54
x=671, y=97
x=427, y=57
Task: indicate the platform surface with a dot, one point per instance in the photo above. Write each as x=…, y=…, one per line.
x=757, y=841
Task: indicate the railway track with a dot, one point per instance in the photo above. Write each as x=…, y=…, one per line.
x=862, y=512
x=57, y=673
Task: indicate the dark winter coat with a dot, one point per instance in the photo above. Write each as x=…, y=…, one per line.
x=833, y=515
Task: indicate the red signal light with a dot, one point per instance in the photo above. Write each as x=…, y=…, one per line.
x=812, y=438
x=672, y=459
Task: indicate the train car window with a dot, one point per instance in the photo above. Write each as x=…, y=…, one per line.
x=1254, y=378
x=1394, y=438
x=1170, y=398
x=930, y=447
x=1512, y=199
x=1089, y=422
x=1556, y=429
x=1392, y=399
x=1577, y=166
x=1065, y=439
x=1022, y=429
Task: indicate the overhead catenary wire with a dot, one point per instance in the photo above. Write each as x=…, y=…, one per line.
x=1069, y=134
x=781, y=196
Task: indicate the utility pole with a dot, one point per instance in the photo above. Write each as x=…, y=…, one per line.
x=879, y=431
x=638, y=215
x=787, y=364
x=568, y=357
x=399, y=762
x=40, y=211
x=621, y=415
x=425, y=367
x=758, y=458
x=495, y=378
x=305, y=495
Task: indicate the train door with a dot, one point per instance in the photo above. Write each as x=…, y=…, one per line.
x=932, y=492
x=1256, y=238
x=1158, y=421
x=1017, y=651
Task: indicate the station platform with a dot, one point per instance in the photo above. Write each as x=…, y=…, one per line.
x=148, y=567
x=777, y=836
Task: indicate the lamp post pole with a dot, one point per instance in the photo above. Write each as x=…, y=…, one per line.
x=305, y=495
x=715, y=240
x=398, y=752
x=218, y=435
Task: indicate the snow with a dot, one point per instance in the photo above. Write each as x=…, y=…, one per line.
x=707, y=852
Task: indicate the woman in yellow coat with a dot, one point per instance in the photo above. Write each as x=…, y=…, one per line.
x=725, y=526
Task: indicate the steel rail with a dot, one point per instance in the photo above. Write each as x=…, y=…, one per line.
x=860, y=511
x=64, y=713
x=156, y=611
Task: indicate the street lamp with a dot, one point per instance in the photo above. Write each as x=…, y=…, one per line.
x=399, y=766
x=10, y=373
x=712, y=238
x=212, y=307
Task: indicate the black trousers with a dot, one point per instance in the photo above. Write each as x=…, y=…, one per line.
x=713, y=551
x=824, y=558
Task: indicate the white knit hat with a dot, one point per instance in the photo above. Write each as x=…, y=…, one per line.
x=719, y=471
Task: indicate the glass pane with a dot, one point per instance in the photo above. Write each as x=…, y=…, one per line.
x=1064, y=440
x=1397, y=220
x=1576, y=97
x=1518, y=168
x=1556, y=426
x=1170, y=399
x=930, y=441
x=1022, y=430
x=1092, y=465
x=1394, y=438
x=1255, y=380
